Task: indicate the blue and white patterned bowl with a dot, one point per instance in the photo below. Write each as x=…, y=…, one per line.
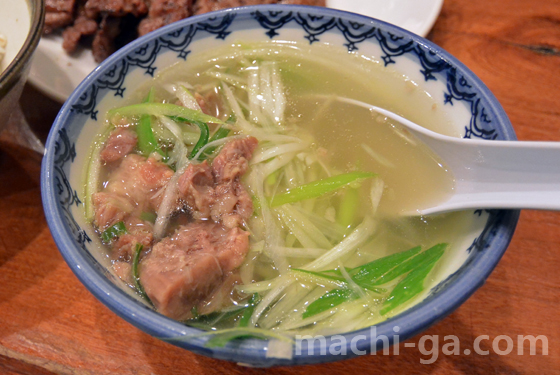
x=474, y=111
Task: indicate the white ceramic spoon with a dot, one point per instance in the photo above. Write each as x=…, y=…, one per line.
x=490, y=174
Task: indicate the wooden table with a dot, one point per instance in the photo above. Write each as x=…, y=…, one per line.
x=49, y=323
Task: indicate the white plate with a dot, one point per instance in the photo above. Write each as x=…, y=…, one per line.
x=56, y=74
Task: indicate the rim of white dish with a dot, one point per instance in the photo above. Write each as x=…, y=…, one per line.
x=72, y=69
x=11, y=74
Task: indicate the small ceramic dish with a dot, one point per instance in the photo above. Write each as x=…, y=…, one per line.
x=21, y=23
x=473, y=110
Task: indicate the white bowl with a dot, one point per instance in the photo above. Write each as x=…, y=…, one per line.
x=21, y=22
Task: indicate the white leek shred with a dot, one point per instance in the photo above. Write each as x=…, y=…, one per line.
x=277, y=163
x=179, y=154
x=267, y=101
x=331, y=229
x=310, y=278
x=272, y=236
x=187, y=99
x=262, y=286
x=253, y=91
x=351, y=283
x=276, y=312
x=306, y=233
x=359, y=236
x=378, y=157
x=94, y=170
x=295, y=319
x=216, y=143
x=229, y=78
x=169, y=201
x=270, y=297
x=241, y=121
x=277, y=150
x=300, y=252
x=376, y=193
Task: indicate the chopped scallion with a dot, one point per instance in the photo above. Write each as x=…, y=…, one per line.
x=113, y=232
x=318, y=188
x=248, y=311
x=146, y=141
x=136, y=276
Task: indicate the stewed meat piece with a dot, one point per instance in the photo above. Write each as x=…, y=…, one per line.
x=164, y=12
x=215, y=191
x=116, y=8
x=184, y=270
x=119, y=144
x=133, y=188
x=139, y=180
x=59, y=13
x=196, y=186
x=233, y=160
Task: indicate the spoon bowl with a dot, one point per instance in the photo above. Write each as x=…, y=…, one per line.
x=489, y=174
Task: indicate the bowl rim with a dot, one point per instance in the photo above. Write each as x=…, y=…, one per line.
x=13, y=71
x=411, y=321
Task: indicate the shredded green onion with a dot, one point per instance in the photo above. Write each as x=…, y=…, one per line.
x=413, y=283
x=413, y=264
x=348, y=207
x=146, y=141
x=318, y=188
x=248, y=311
x=203, y=140
x=136, y=276
x=218, y=134
x=113, y=232
x=329, y=300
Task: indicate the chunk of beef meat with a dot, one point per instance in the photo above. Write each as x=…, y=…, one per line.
x=124, y=271
x=110, y=209
x=71, y=35
x=233, y=160
x=116, y=8
x=139, y=180
x=215, y=192
x=103, y=44
x=138, y=232
x=196, y=185
x=58, y=13
x=210, y=103
x=120, y=143
x=184, y=270
x=232, y=204
x=56, y=20
x=59, y=5
x=134, y=187
x=164, y=12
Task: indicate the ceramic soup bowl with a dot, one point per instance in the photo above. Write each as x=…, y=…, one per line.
x=473, y=110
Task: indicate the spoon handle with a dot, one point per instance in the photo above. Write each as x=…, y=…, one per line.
x=500, y=174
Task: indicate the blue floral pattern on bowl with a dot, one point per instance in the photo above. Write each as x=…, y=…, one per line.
x=460, y=87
